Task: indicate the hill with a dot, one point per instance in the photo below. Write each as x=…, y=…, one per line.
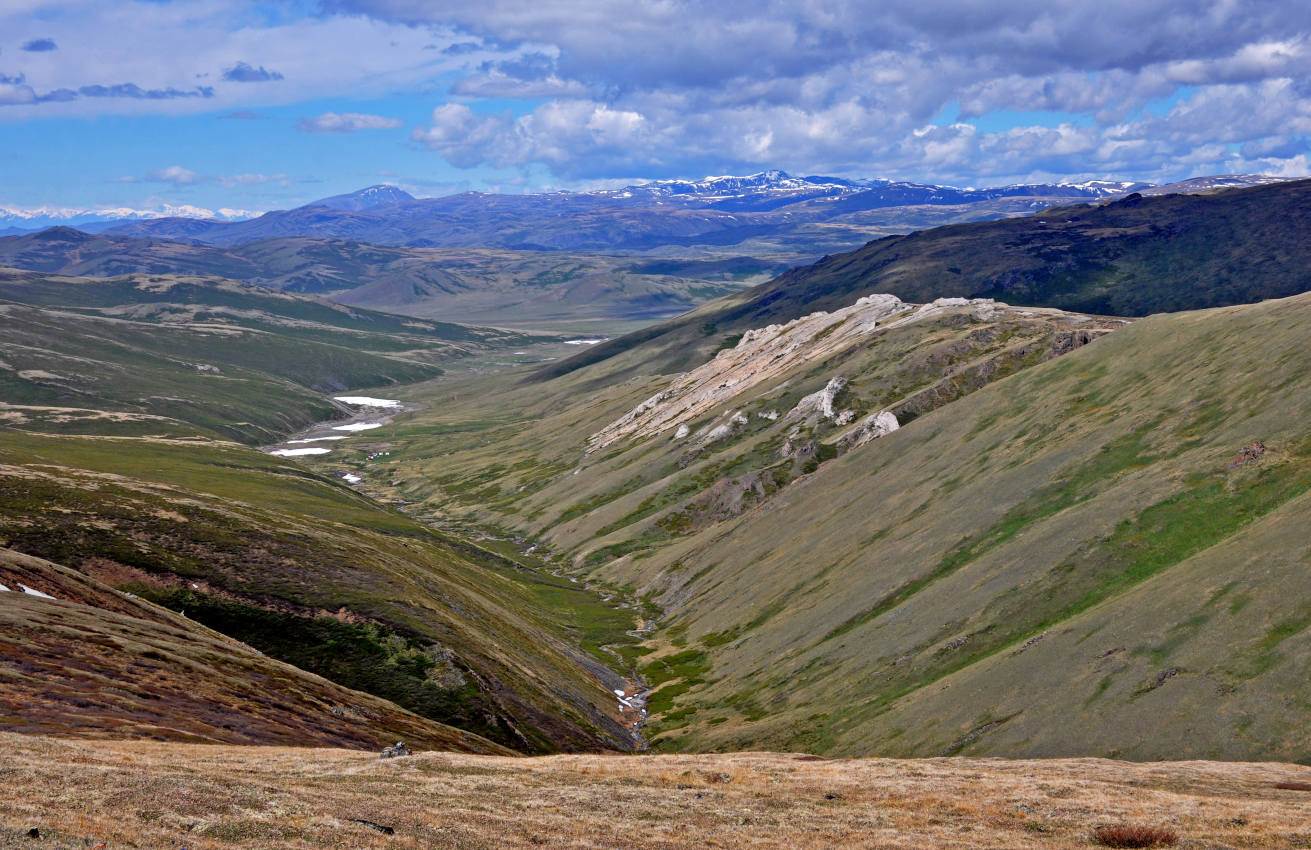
x=537, y=289
x=116, y=462
x=767, y=213
x=65, y=636
x=245, y=363
x=1095, y=553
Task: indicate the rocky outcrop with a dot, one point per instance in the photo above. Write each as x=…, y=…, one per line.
x=761, y=355
x=870, y=428
x=768, y=353
x=819, y=405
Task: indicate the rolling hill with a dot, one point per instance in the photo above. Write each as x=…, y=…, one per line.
x=122, y=401
x=536, y=289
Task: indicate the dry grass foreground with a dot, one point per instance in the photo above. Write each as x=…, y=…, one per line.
x=150, y=794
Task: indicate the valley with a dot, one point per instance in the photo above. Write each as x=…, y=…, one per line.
x=804, y=517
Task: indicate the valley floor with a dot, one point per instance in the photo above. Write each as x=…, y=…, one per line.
x=149, y=794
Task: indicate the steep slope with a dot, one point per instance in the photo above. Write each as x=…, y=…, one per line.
x=81, y=659
x=1130, y=257
x=1103, y=552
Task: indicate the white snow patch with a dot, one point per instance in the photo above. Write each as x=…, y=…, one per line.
x=314, y=440
x=584, y=341
x=30, y=592
x=351, y=478
x=299, y=452
x=3, y=588
x=357, y=426
x=366, y=401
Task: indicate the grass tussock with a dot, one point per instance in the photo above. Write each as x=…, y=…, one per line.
x=1135, y=835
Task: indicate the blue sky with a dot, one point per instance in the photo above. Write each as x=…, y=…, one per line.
x=223, y=105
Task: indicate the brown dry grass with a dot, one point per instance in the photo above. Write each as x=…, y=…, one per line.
x=1135, y=835
x=148, y=794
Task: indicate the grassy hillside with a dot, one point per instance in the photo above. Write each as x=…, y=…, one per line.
x=78, y=792
x=1131, y=257
x=309, y=572
x=113, y=462
x=1101, y=553
x=1048, y=566
x=116, y=355
x=85, y=660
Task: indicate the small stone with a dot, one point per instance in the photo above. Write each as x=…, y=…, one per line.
x=398, y=749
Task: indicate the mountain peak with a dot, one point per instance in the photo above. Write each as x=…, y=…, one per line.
x=373, y=196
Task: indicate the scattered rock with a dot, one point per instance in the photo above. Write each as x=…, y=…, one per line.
x=870, y=428
x=1249, y=454
x=821, y=403
x=1030, y=642
x=34, y=833
x=399, y=749
x=385, y=830
x=1163, y=677
x=956, y=643
x=734, y=425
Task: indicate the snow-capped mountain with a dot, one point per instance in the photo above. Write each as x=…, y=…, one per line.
x=25, y=219
x=365, y=199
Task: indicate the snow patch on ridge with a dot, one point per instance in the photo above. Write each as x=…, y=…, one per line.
x=366, y=401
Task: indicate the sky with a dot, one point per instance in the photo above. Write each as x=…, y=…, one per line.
x=228, y=107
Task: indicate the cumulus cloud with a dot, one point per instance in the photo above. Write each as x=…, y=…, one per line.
x=244, y=73
x=40, y=45
x=578, y=138
x=175, y=174
x=347, y=122
x=860, y=87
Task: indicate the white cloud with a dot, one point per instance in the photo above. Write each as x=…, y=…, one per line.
x=175, y=174
x=347, y=122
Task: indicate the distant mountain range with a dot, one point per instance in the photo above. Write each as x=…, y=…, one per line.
x=728, y=210
x=717, y=210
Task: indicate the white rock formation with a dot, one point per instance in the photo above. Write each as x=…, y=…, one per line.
x=765, y=354
x=821, y=403
x=870, y=428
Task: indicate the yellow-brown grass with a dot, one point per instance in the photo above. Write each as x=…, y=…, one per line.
x=149, y=794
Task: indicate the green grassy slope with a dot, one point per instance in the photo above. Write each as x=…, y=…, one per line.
x=1065, y=561
x=309, y=572
x=113, y=462
x=1059, y=559
x=231, y=360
